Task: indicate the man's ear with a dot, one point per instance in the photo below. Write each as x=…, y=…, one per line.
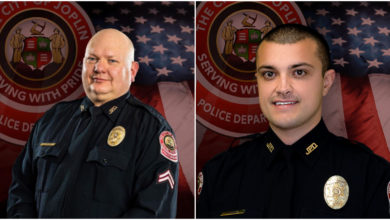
x=134, y=70
x=328, y=81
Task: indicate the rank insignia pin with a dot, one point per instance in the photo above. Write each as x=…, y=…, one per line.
x=116, y=136
x=336, y=192
x=82, y=108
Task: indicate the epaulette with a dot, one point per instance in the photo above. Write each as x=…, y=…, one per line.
x=132, y=100
x=354, y=143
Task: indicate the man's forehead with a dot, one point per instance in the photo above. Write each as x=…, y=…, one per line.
x=300, y=52
x=106, y=48
x=307, y=43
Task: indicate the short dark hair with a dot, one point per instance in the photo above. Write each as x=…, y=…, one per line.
x=292, y=33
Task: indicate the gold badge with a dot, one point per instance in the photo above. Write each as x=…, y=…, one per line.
x=82, y=108
x=116, y=136
x=112, y=109
x=336, y=192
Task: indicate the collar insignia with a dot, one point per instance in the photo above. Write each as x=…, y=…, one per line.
x=112, y=109
x=311, y=148
x=270, y=147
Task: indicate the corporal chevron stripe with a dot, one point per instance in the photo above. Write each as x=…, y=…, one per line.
x=166, y=177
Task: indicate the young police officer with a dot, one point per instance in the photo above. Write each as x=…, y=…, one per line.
x=297, y=168
x=106, y=155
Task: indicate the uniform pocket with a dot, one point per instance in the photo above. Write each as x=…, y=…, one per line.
x=108, y=158
x=47, y=158
x=50, y=150
x=113, y=177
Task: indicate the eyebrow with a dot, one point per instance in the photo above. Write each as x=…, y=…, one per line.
x=106, y=56
x=290, y=67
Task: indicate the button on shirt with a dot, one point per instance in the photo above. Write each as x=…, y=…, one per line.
x=266, y=178
x=69, y=168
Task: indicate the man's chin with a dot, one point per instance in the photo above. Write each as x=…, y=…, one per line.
x=286, y=124
x=97, y=96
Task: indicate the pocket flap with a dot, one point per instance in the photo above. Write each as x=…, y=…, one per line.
x=50, y=150
x=106, y=158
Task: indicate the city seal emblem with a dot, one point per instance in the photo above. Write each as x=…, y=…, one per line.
x=41, y=51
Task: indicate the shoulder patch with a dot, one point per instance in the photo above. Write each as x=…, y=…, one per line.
x=168, y=146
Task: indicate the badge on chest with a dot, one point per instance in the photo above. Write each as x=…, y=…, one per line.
x=116, y=136
x=336, y=192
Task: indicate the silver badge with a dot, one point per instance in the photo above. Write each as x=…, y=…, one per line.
x=336, y=192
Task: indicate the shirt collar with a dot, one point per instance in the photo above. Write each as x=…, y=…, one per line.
x=308, y=147
x=111, y=109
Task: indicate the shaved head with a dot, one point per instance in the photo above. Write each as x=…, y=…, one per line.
x=116, y=37
x=109, y=67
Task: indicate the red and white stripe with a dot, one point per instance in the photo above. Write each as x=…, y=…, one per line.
x=166, y=177
x=357, y=108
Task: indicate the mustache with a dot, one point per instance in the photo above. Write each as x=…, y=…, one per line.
x=282, y=96
x=285, y=96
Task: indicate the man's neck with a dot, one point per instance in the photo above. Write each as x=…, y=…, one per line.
x=291, y=135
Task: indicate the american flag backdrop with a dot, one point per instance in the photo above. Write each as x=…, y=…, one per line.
x=163, y=36
x=358, y=35
x=357, y=107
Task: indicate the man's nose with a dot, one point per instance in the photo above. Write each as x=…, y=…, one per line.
x=100, y=66
x=284, y=86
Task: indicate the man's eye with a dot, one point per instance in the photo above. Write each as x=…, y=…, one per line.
x=299, y=73
x=112, y=61
x=268, y=75
x=91, y=60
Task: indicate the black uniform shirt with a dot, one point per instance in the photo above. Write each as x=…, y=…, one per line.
x=87, y=161
x=265, y=178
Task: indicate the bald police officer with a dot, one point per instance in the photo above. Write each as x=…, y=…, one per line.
x=297, y=168
x=103, y=156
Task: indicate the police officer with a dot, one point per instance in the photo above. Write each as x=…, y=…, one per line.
x=297, y=168
x=103, y=156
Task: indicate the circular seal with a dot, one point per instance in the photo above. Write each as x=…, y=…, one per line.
x=336, y=192
x=168, y=146
x=116, y=136
x=41, y=50
x=227, y=35
x=200, y=183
